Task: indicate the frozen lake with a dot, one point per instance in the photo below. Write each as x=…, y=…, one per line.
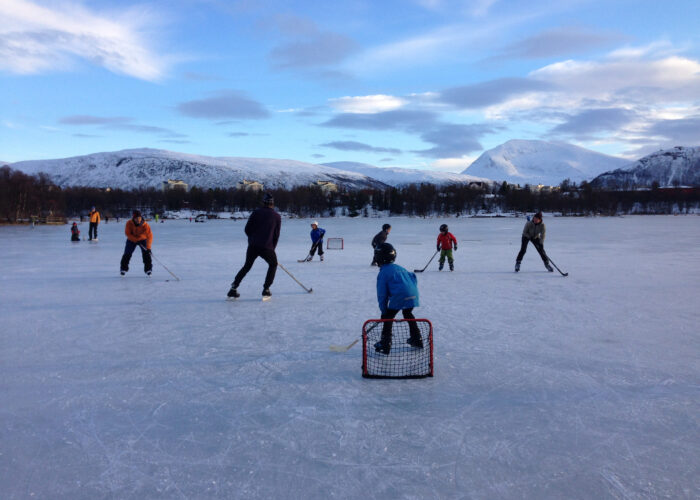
x=545, y=387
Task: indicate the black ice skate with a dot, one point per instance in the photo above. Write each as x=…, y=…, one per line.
x=415, y=342
x=233, y=293
x=517, y=266
x=382, y=348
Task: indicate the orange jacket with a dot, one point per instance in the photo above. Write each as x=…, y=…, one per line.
x=139, y=233
x=95, y=216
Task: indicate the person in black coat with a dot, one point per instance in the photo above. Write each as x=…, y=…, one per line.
x=380, y=238
x=263, y=231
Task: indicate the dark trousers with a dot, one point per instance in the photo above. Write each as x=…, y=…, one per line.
x=253, y=253
x=92, y=232
x=391, y=314
x=538, y=246
x=145, y=254
x=318, y=245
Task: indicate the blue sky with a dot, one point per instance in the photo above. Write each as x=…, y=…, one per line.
x=413, y=83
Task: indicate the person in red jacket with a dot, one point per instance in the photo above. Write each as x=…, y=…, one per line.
x=445, y=243
x=138, y=233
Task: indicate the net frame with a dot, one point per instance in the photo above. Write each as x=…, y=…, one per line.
x=403, y=361
x=329, y=247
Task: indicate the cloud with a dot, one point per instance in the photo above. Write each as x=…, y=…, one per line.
x=456, y=165
x=367, y=104
x=306, y=46
x=225, y=104
x=92, y=120
x=449, y=139
x=35, y=39
x=483, y=94
x=682, y=132
x=238, y=134
x=359, y=146
x=592, y=121
x=390, y=120
x=453, y=140
x=318, y=155
x=556, y=42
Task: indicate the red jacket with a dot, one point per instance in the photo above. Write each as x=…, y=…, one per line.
x=446, y=240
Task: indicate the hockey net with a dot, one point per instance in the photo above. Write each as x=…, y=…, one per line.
x=403, y=360
x=334, y=244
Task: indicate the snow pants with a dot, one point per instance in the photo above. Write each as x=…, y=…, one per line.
x=386, y=326
x=92, y=232
x=145, y=255
x=538, y=246
x=448, y=254
x=316, y=246
x=253, y=253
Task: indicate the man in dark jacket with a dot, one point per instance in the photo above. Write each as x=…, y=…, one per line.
x=380, y=238
x=534, y=232
x=263, y=231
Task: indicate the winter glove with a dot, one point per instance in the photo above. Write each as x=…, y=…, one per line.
x=438, y=247
x=455, y=248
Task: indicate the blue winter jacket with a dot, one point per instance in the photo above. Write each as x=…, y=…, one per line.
x=317, y=234
x=397, y=288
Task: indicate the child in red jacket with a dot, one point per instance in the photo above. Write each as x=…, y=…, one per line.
x=445, y=243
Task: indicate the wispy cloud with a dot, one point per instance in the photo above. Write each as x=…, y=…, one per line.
x=483, y=94
x=36, y=39
x=224, y=104
x=593, y=121
x=118, y=123
x=359, y=146
x=367, y=104
x=93, y=120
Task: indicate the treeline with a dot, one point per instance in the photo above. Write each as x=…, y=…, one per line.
x=25, y=196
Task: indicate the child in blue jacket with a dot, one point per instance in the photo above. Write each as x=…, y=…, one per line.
x=316, y=241
x=397, y=290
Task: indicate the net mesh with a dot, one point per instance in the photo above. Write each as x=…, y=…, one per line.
x=403, y=360
x=334, y=244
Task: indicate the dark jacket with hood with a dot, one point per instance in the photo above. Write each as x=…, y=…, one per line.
x=263, y=228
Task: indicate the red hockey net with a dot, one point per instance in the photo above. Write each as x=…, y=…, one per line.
x=334, y=244
x=405, y=359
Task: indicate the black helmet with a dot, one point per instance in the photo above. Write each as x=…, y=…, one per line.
x=384, y=254
x=443, y=228
x=386, y=226
x=268, y=199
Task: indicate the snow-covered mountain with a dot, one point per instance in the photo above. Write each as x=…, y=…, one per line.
x=402, y=176
x=679, y=166
x=541, y=162
x=134, y=168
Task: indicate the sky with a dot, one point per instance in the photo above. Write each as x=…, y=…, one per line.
x=427, y=84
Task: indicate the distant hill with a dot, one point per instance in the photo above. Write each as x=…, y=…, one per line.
x=402, y=176
x=679, y=166
x=134, y=168
x=541, y=162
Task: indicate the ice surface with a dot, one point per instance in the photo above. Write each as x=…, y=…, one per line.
x=545, y=387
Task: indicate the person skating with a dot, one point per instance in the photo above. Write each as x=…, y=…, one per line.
x=138, y=234
x=445, y=243
x=380, y=238
x=534, y=231
x=316, y=241
x=74, y=232
x=397, y=290
x=94, y=222
x=263, y=231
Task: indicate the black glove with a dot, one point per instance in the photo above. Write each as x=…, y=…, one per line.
x=438, y=247
x=455, y=248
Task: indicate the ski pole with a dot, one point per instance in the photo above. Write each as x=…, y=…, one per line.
x=308, y=290
x=159, y=262
x=426, y=266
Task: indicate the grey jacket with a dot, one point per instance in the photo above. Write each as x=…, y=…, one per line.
x=534, y=231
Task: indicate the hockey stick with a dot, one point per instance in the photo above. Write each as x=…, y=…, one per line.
x=345, y=348
x=312, y=249
x=426, y=266
x=555, y=267
x=541, y=248
x=308, y=290
x=159, y=262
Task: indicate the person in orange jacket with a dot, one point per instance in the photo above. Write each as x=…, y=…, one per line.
x=138, y=233
x=94, y=222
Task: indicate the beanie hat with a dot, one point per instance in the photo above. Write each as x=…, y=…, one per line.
x=538, y=215
x=136, y=213
x=268, y=199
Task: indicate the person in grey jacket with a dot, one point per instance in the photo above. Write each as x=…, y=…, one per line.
x=534, y=231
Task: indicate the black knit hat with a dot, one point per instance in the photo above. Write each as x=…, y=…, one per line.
x=268, y=199
x=136, y=213
x=538, y=215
